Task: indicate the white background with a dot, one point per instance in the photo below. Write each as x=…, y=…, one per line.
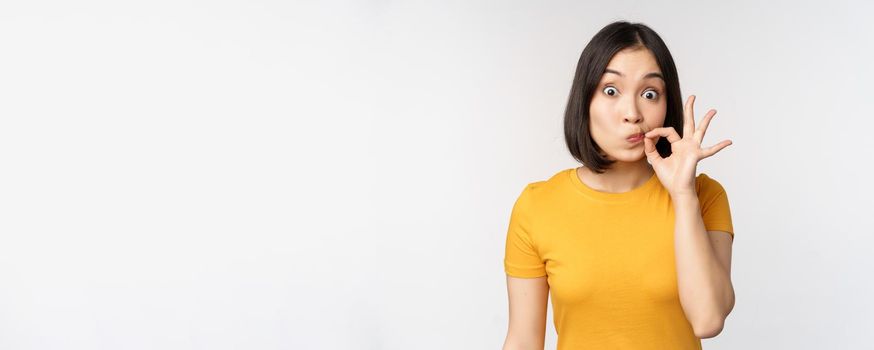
x=339, y=175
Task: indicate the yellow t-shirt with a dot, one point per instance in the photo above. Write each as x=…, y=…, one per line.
x=608, y=258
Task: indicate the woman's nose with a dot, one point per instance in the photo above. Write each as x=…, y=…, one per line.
x=632, y=113
x=633, y=119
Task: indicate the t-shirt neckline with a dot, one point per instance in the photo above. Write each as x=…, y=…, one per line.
x=609, y=196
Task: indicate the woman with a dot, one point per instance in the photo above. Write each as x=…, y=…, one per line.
x=633, y=247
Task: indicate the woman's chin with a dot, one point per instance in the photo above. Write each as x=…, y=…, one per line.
x=629, y=155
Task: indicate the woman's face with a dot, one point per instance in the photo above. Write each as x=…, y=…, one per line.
x=629, y=99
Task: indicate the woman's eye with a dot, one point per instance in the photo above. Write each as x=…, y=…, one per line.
x=650, y=94
x=611, y=91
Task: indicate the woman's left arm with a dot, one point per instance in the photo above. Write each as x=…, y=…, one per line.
x=703, y=258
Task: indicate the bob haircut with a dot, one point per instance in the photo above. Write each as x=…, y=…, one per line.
x=593, y=62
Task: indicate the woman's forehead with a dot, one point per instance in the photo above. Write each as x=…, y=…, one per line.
x=633, y=63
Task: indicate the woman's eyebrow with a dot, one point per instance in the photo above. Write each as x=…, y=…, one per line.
x=650, y=75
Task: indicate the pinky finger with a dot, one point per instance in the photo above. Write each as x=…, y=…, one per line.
x=709, y=151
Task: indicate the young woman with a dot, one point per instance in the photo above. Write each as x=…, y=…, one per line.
x=633, y=247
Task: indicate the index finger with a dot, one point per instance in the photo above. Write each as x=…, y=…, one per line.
x=689, y=117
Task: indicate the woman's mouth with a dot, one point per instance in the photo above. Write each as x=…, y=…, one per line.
x=635, y=138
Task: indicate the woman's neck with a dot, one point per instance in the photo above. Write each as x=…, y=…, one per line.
x=621, y=177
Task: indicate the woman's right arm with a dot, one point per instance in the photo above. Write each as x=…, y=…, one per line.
x=528, y=298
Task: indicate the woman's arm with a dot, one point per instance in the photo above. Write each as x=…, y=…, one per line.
x=703, y=262
x=704, y=281
x=528, y=298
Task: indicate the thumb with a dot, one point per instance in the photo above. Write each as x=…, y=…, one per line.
x=650, y=151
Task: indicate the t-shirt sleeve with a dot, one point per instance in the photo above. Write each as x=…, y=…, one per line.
x=715, y=210
x=520, y=257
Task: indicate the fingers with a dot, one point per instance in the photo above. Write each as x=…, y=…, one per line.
x=688, y=116
x=705, y=122
x=668, y=132
x=650, y=151
x=716, y=148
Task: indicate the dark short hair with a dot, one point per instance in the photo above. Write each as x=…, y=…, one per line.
x=593, y=62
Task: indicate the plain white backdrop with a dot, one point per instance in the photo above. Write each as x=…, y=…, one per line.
x=339, y=175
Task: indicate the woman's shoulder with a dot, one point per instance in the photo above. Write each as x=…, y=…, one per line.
x=706, y=184
x=555, y=184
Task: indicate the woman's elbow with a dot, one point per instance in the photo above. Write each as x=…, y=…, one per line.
x=522, y=343
x=709, y=330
